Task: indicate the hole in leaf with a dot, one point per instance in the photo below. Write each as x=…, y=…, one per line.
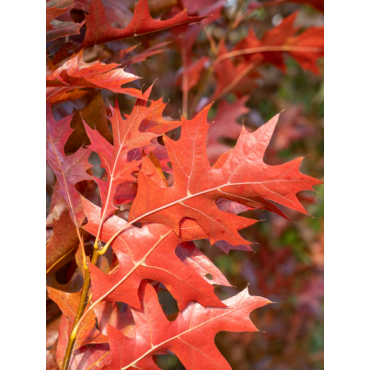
x=64, y=274
x=77, y=15
x=122, y=306
x=105, y=261
x=169, y=362
x=94, y=159
x=160, y=140
x=209, y=276
x=168, y=303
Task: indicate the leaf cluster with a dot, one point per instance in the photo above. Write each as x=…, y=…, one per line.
x=121, y=232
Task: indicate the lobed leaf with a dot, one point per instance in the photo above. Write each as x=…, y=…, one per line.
x=69, y=170
x=99, y=30
x=305, y=47
x=66, y=82
x=146, y=253
x=241, y=176
x=190, y=336
x=119, y=160
x=56, y=29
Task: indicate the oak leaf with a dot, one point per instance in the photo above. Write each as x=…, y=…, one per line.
x=235, y=75
x=306, y=47
x=190, y=336
x=99, y=30
x=68, y=170
x=138, y=130
x=240, y=175
x=70, y=80
x=56, y=29
x=147, y=253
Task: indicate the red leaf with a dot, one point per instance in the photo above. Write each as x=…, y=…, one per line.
x=99, y=30
x=243, y=178
x=56, y=29
x=137, y=131
x=231, y=76
x=190, y=336
x=305, y=47
x=75, y=74
x=68, y=170
x=145, y=253
x=54, y=9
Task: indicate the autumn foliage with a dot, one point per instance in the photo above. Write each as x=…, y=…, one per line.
x=135, y=187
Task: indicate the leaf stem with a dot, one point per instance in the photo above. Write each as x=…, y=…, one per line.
x=81, y=307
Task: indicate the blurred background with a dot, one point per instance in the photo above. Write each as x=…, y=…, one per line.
x=287, y=263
